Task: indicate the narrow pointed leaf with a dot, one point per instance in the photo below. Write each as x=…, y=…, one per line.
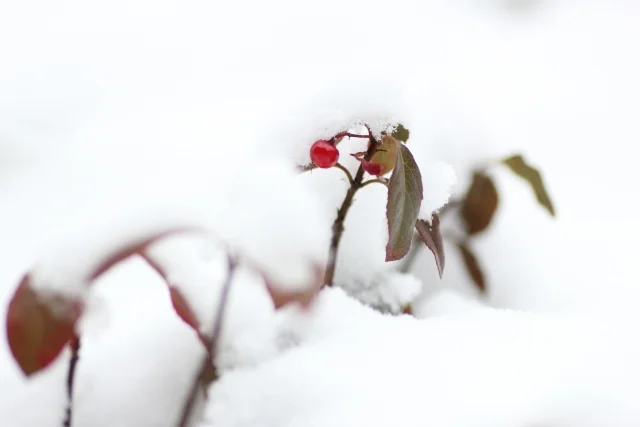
x=401, y=133
x=403, y=204
x=39, y=327
x=473, y=267
x=431, y=236
x=518, y=166
x=480, y=203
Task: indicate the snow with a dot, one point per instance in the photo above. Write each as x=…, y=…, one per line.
x=118, y=120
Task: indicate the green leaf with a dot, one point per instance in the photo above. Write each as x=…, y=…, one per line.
x=518, y=166
x=400, y=133
x=39, y=326
x=403, y=204
x=431, y=236
x=473, y=267
x=479, y=204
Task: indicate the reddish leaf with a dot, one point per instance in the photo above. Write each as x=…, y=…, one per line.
x=305, y=297
x=473, y=268
x=39, y=327
x=132, y=248
x=431, y=236
x=480, y=203
x=403, y=204
x=182, y=308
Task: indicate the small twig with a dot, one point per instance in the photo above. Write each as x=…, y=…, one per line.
x=208, y=372
x=346, y=172
x=306, y=168
x=382, y=181
x=350, y=135
x=338, y=225
x=71, y=372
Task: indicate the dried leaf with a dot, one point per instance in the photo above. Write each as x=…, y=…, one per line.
x=431, y=236
x=479, y=204
x=39, y=327
x=182, y=308
x=400, y=133
x=403, y=204
x=518, y=166
x=473, y=268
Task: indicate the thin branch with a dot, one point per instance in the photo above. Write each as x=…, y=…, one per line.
x=350, y=135
x=338, y=225
x=306, y=168
x=382, y=181
x=346, y=172
x=71, y=372
x=208, y=372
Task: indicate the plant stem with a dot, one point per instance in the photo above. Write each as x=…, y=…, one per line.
x=208, y=372
x=382, y=181
x=346, y=172
x=338, y=224
x=75, y=350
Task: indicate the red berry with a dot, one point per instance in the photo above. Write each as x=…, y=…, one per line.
x=324, y=154
x=372, y=168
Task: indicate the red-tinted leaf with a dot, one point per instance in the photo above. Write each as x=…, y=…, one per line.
x=431, y=236
x=305, y=297
x=403, y=204
x=479, y=204
x=473, y=267
x=182, y=308
x=39, y=327
x=132, y=248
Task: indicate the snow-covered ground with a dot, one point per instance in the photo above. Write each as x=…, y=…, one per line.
x=118, y=118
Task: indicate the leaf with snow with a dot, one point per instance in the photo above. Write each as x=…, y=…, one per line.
x=403, y=204
x=38, y=326
x=520, y=167
x=472, y=266
x=480, y=203
x=431, y=236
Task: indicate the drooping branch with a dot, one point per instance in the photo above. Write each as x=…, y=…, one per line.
x=74, y=344
x=208, y=372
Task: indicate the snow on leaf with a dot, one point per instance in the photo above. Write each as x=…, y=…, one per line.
x=431, y=236
x=521, y=168
x=39, y=326
x=403, y=204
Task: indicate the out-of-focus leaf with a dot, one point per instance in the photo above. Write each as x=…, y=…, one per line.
x=39, y=326
x=403, y=204
x=518, y=166
x=182, y=308
x=480, y=203
x=472, y=266
x=401, y=133
x=431, y=236
x=303, y=297
x=132, y=248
